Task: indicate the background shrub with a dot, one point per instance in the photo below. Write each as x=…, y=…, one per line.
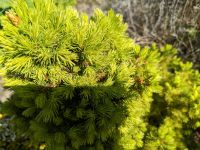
x=174, y=116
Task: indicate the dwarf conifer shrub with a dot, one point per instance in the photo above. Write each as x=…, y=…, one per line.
x=174, y=119
x=81, y=83
x=78, y=83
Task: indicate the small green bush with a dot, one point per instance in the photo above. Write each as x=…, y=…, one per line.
x=83, y=84
x=78, y=83
x=174, y=119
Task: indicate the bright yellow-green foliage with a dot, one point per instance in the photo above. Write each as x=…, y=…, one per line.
x=81, y=83
x=53, y=45
x=78, y=83
x=175, y=113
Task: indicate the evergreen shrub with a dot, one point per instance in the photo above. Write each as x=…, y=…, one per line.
x=78, y=83
x=83, y=84
x=174, y=119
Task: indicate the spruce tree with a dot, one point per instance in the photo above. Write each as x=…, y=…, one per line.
x=78, y=83
x=81, y=83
